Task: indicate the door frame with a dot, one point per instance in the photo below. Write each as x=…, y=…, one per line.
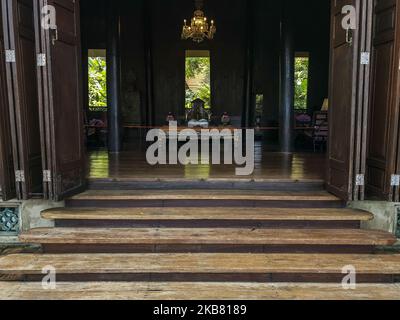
x=363, y=96
x=352, y=164
x=7, y=175
x=396, y=191
x=28, y=165
x=64, y=176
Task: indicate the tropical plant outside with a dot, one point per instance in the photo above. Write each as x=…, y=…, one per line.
x=198, y=69
x=198, y=80
x=97, y=82
x=301, y=82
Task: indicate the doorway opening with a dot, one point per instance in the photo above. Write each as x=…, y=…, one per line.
x=197, y=85
x=198, y=77
x=301, y=77
x=165, y=79
x=311, y=123
x=97, y=99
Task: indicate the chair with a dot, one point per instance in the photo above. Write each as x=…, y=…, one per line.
x=96, y=129
x=321, y=129
x=302, y=120
x=303, y=123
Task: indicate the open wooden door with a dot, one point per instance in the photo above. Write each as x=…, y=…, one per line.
x=7, y=180
x=19, y=42
x=343, y=91
x=384, y=109
x=61, y=99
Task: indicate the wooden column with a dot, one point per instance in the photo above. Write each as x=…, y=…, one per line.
x=113, y=79
x=286, y=132
x=150, y=121
x=248, y=108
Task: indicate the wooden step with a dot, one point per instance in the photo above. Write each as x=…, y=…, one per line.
x=218, y=238
x=207, y=217
x=202, y=195
x=202, y=198
x=207, y=236
x=209, y=184
x=196, y=291
x=203, y=267
x=263, y=214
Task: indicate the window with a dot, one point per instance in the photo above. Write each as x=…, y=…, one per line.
x=198, y=77
x=97, y=68
x=301, y=75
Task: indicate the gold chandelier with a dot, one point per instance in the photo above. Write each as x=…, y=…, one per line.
x=199, y=28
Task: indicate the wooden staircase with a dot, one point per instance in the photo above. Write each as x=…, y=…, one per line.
x=193, y=244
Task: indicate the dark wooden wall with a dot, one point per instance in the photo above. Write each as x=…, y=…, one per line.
x=160, y=26
x=93, y=34
x=228, y=57
x=133, y=69
x=93, y=24
x=266, y=66
x=312, y=34
x=168, y=57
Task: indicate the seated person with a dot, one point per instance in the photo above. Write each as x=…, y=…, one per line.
x=197, y=116
x=170, y=118
x=226, y=119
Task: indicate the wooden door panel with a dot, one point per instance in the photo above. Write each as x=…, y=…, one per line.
x=23, y=101
x=7, y=180
x=62, y=103
x=343, y=79
x=383, y=113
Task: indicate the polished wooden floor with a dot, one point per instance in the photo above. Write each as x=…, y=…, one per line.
x=268, y=166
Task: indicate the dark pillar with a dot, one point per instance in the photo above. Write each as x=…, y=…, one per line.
x=150, y=119
x=113, y=79
x=248, y=108
x=286, y=132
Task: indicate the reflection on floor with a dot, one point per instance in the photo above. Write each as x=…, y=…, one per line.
x=268, y=166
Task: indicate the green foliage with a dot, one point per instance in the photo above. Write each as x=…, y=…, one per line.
x=301, y=83
x=190, y=96
x=205, y=94
x=97, y=82
x=198, y=68
x=259, y=105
